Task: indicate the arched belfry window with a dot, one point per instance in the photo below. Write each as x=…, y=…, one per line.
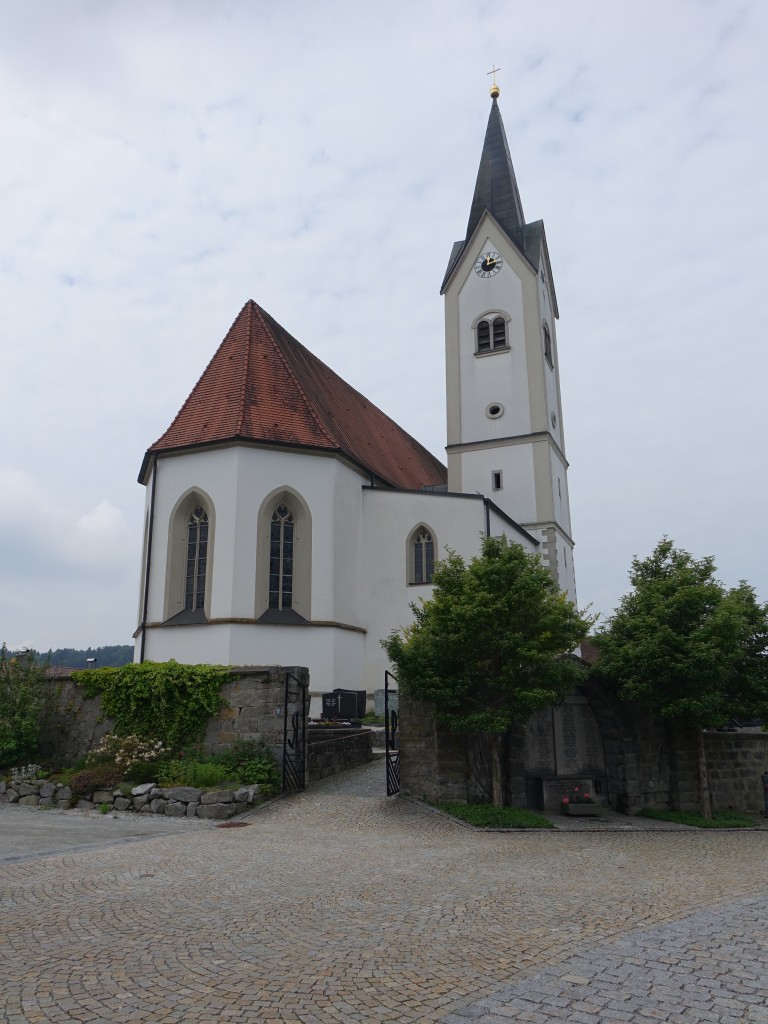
x=197, y=559
x=491, y=334
x=421, y=556
x=281, y=558
x=547, y=343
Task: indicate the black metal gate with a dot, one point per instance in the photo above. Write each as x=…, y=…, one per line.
x=294, y=735
x=392, y=740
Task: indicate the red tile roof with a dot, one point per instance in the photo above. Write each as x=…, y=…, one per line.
x=263, y=386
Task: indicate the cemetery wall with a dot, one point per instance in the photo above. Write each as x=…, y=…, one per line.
x=332, y=751
x=254, y=709
x=646, y=763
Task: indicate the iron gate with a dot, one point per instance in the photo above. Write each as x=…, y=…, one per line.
x=392, y=740
x=294, y=735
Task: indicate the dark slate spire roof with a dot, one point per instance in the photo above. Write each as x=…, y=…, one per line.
x=496, y=191
x=263, y=386
x=496, y=187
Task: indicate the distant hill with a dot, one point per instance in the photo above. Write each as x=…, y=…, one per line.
x=69, y=657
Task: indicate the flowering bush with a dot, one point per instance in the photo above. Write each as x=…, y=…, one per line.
x=578, y=796
x=26, y=772
x=125, y=751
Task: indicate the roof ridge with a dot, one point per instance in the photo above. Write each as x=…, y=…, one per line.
x=244, y=369
x=289, y=369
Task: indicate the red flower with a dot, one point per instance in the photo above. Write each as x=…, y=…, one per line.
x=565, y=800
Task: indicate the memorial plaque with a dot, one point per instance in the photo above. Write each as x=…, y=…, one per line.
x=578, y=745
x=540, y=744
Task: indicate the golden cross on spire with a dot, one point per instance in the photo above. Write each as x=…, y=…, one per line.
x=495, y=90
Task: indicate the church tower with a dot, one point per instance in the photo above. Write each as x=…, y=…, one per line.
x=505, y=421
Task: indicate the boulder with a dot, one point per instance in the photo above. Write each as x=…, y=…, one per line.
x=122, y=803
x=63, y=793
x=157, y=805
x=175, y=809
x=28, y=788
x=47, y=789
x=84, y=805
x=145, y=787
x=102, y=796
x=32, y=799
x=186, y=793
x=218, y=812
x=218, y=796
x=46, y=801
x=192, y=809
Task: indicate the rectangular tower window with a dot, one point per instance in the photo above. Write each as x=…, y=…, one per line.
x=496, y=479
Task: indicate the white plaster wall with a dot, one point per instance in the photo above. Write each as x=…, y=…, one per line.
x=562, y=502
x=500, y=377
x=518, y=494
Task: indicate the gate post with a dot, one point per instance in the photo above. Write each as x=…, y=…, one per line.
x=295, y=736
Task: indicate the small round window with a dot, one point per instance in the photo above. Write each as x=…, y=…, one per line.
x=494, y=410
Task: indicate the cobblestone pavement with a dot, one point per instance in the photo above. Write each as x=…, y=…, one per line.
x=342, y=906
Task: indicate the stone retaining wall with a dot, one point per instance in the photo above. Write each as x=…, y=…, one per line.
x=149, y=798
x=330, y=752
x=254, y=709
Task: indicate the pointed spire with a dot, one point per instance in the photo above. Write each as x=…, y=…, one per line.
x=496, y=188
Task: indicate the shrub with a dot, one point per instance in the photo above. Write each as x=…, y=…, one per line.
x=125, y=751
x=142, y=772
x=191, y=773
x=101, y=776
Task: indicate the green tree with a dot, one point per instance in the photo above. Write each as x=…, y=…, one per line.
x=22, y=703
x=490, y=647
x=683, y=645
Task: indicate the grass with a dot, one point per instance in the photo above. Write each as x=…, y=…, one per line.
x=487, y=816
x=723, y=819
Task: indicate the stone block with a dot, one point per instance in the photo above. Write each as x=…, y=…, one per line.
x=103, y=796
x=64, y=793
x=122, y=803
x=241, y=806
x=84, y=805
x=217, y=796
x=145, y=787
x=64, y=804
x=218, y=812
x=145, y=809
x=47, y=789
x=13, y=795
x=175, y=809
x=186, y=793
x=192, y=809
x=28, y=788
x=46, y=801
x=157, y=805
x=139, y=802
x=31, y=799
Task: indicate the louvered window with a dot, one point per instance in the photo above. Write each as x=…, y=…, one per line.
x=491, y=334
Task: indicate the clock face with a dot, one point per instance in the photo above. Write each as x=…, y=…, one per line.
x=488, y=264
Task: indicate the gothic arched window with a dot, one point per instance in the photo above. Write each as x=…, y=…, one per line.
x=423, y=556
x=491, y=334
x=197, y=559
x=281, y=558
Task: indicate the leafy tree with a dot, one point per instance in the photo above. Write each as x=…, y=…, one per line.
x=490, y=647
x=686, y=647
x=22, y=703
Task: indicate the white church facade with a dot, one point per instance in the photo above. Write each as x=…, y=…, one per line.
x=290, y=521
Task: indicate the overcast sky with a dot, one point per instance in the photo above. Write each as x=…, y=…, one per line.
x=162, y=162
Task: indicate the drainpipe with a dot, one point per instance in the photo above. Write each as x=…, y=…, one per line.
x=149, y=560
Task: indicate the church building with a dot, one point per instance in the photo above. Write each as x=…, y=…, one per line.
x=289, y=521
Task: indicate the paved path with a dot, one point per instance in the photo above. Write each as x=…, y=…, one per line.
x=342, y=906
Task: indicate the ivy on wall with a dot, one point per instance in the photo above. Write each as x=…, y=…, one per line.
x=158, y=700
